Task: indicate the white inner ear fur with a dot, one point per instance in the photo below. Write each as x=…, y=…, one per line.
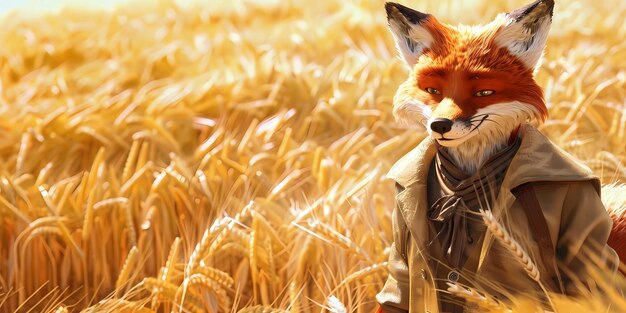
x=521, y=41
x=412, y=44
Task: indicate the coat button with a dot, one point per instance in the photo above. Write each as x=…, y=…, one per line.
x=423, y=274
x=453, y=276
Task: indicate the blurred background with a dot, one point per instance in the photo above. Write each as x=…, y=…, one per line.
x=230, y=156
x=55, y=5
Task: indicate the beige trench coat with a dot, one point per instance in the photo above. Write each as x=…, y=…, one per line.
x=569, y=198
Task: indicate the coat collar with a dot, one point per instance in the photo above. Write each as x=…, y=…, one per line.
x=537, y=159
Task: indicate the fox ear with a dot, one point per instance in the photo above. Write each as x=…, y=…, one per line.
x=525, y=31
x=411, y=37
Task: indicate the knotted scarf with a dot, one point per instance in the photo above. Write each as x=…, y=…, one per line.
x=463, y=194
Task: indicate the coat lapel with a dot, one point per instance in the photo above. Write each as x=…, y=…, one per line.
x=411, y=172
x=412, y=200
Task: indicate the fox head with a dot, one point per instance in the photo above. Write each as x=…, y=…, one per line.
x=470, y=82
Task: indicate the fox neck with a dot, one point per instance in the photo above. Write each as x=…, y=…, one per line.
x=472, y=154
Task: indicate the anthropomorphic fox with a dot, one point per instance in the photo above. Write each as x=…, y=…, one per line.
x=474, y=90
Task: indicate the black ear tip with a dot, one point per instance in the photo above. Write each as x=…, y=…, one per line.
x=538, y=7
x=389, y=7
x=548, y=5
x=408, y=13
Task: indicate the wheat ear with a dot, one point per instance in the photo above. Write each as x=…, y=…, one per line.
x=261, y=309
x=334, y=236
x=165, y=291
x=131, y=260
x=514, y=247
x=222, y=278
x=172, y=257
x=365, y=272
x=203, y=245
x=511, y=244
x=483, y=301
x=199, y=279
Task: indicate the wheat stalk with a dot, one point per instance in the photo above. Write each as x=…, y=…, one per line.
x=502, y=235
x=511, y=244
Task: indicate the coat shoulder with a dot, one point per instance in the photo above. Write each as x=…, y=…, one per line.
x=540, y=160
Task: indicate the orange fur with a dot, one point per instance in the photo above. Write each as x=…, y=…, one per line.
x=617, y=238
x=462, y=62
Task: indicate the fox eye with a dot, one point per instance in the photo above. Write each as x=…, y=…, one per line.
x=484, y=93
x=433, y=91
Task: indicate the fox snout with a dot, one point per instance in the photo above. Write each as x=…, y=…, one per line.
x=441, y=125
x=452, y=132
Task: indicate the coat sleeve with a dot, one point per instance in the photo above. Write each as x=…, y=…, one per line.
x=394, y=297
x=584, y=231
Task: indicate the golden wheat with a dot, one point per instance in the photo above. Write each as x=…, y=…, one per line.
x=166, y=271
x=199, y=279
x=510, y=243
x=484, y=302
x=261, y=309
x=137, y=129
x=217, y=276
x=163, y=291
x=521, y=255
x=62, y=309
x=131, y=261
x=365, y=272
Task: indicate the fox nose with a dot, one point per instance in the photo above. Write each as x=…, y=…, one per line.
x=441, y=125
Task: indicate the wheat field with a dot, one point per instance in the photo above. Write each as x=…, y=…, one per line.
x=231, y=156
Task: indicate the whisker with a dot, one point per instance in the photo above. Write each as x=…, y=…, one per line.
x=493, y=121
x=479, y=117
x=484, y=119
x=480, y=123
